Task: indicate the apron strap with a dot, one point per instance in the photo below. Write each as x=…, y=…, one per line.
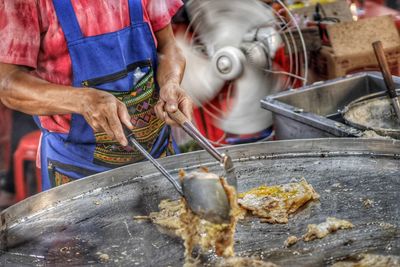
x=70, y=25
x=67, y=19
x=135, y=11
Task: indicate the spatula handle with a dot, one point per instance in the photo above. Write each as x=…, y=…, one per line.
x=132, y=142
x=384, y=66
x=179, y=117
x=192, y=131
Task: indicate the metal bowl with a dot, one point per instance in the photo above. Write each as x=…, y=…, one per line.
x=373, y=112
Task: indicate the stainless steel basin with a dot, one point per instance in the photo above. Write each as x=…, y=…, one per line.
x=314, y=111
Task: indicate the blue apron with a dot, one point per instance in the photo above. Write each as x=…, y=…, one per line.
x=124, y=64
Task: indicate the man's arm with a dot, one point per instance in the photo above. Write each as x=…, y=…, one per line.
x=170, y=73
x=21, y=91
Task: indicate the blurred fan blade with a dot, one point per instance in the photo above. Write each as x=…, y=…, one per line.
x=246, y=115
x=271, y=39
x=225, y=22
x=200, y=81
x=251, y=27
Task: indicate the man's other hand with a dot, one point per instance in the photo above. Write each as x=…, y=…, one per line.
x=104, y=113
x=173, y=97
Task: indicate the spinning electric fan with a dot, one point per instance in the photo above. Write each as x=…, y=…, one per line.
x=234, y=43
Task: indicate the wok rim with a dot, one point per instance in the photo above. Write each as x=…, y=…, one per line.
x=326, y=147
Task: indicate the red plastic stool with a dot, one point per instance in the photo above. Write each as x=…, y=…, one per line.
x=26, y=151
x=5, y=139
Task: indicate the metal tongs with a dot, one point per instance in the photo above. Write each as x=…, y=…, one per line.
x=384, y=66
x=203, y=193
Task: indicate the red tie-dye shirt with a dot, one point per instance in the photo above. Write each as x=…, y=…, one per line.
x=30, y=35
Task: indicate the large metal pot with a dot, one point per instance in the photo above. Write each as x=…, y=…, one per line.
x=373, y=112
x=78, y=223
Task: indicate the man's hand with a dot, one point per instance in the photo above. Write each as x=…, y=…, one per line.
x=170, y=73
x=104, y=113
x=173, y=97
x=24, y=92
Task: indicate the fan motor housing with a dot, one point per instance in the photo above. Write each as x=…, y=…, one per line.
x=256, y=53
x=228, y=62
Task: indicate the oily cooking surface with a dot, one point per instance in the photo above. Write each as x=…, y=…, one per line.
x=81, y=230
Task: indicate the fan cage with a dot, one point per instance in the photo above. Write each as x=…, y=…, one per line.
x=289, y=67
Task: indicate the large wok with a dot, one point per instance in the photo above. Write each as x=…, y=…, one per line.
x=76, y=223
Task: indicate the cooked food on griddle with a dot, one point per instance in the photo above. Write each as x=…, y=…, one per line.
x=218, y=236
x=177, y=216
x=243, y=262
x=291, y=240
x=321, y=230
x=274, y=203
x=103, y=257
x=370, y=260
x=169, y=214
x=368, y=203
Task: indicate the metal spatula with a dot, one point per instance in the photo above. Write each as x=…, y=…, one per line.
x=204, y=193
x=192, y=131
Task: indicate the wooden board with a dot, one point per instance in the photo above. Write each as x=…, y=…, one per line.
x=352, y=38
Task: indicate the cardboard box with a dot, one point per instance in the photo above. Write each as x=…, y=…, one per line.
x=351, y=48
x=327, y=65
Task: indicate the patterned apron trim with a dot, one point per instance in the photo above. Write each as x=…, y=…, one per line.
x=140, y=101
x=57, y=172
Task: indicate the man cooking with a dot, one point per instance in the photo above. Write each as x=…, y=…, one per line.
x=86, y=69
